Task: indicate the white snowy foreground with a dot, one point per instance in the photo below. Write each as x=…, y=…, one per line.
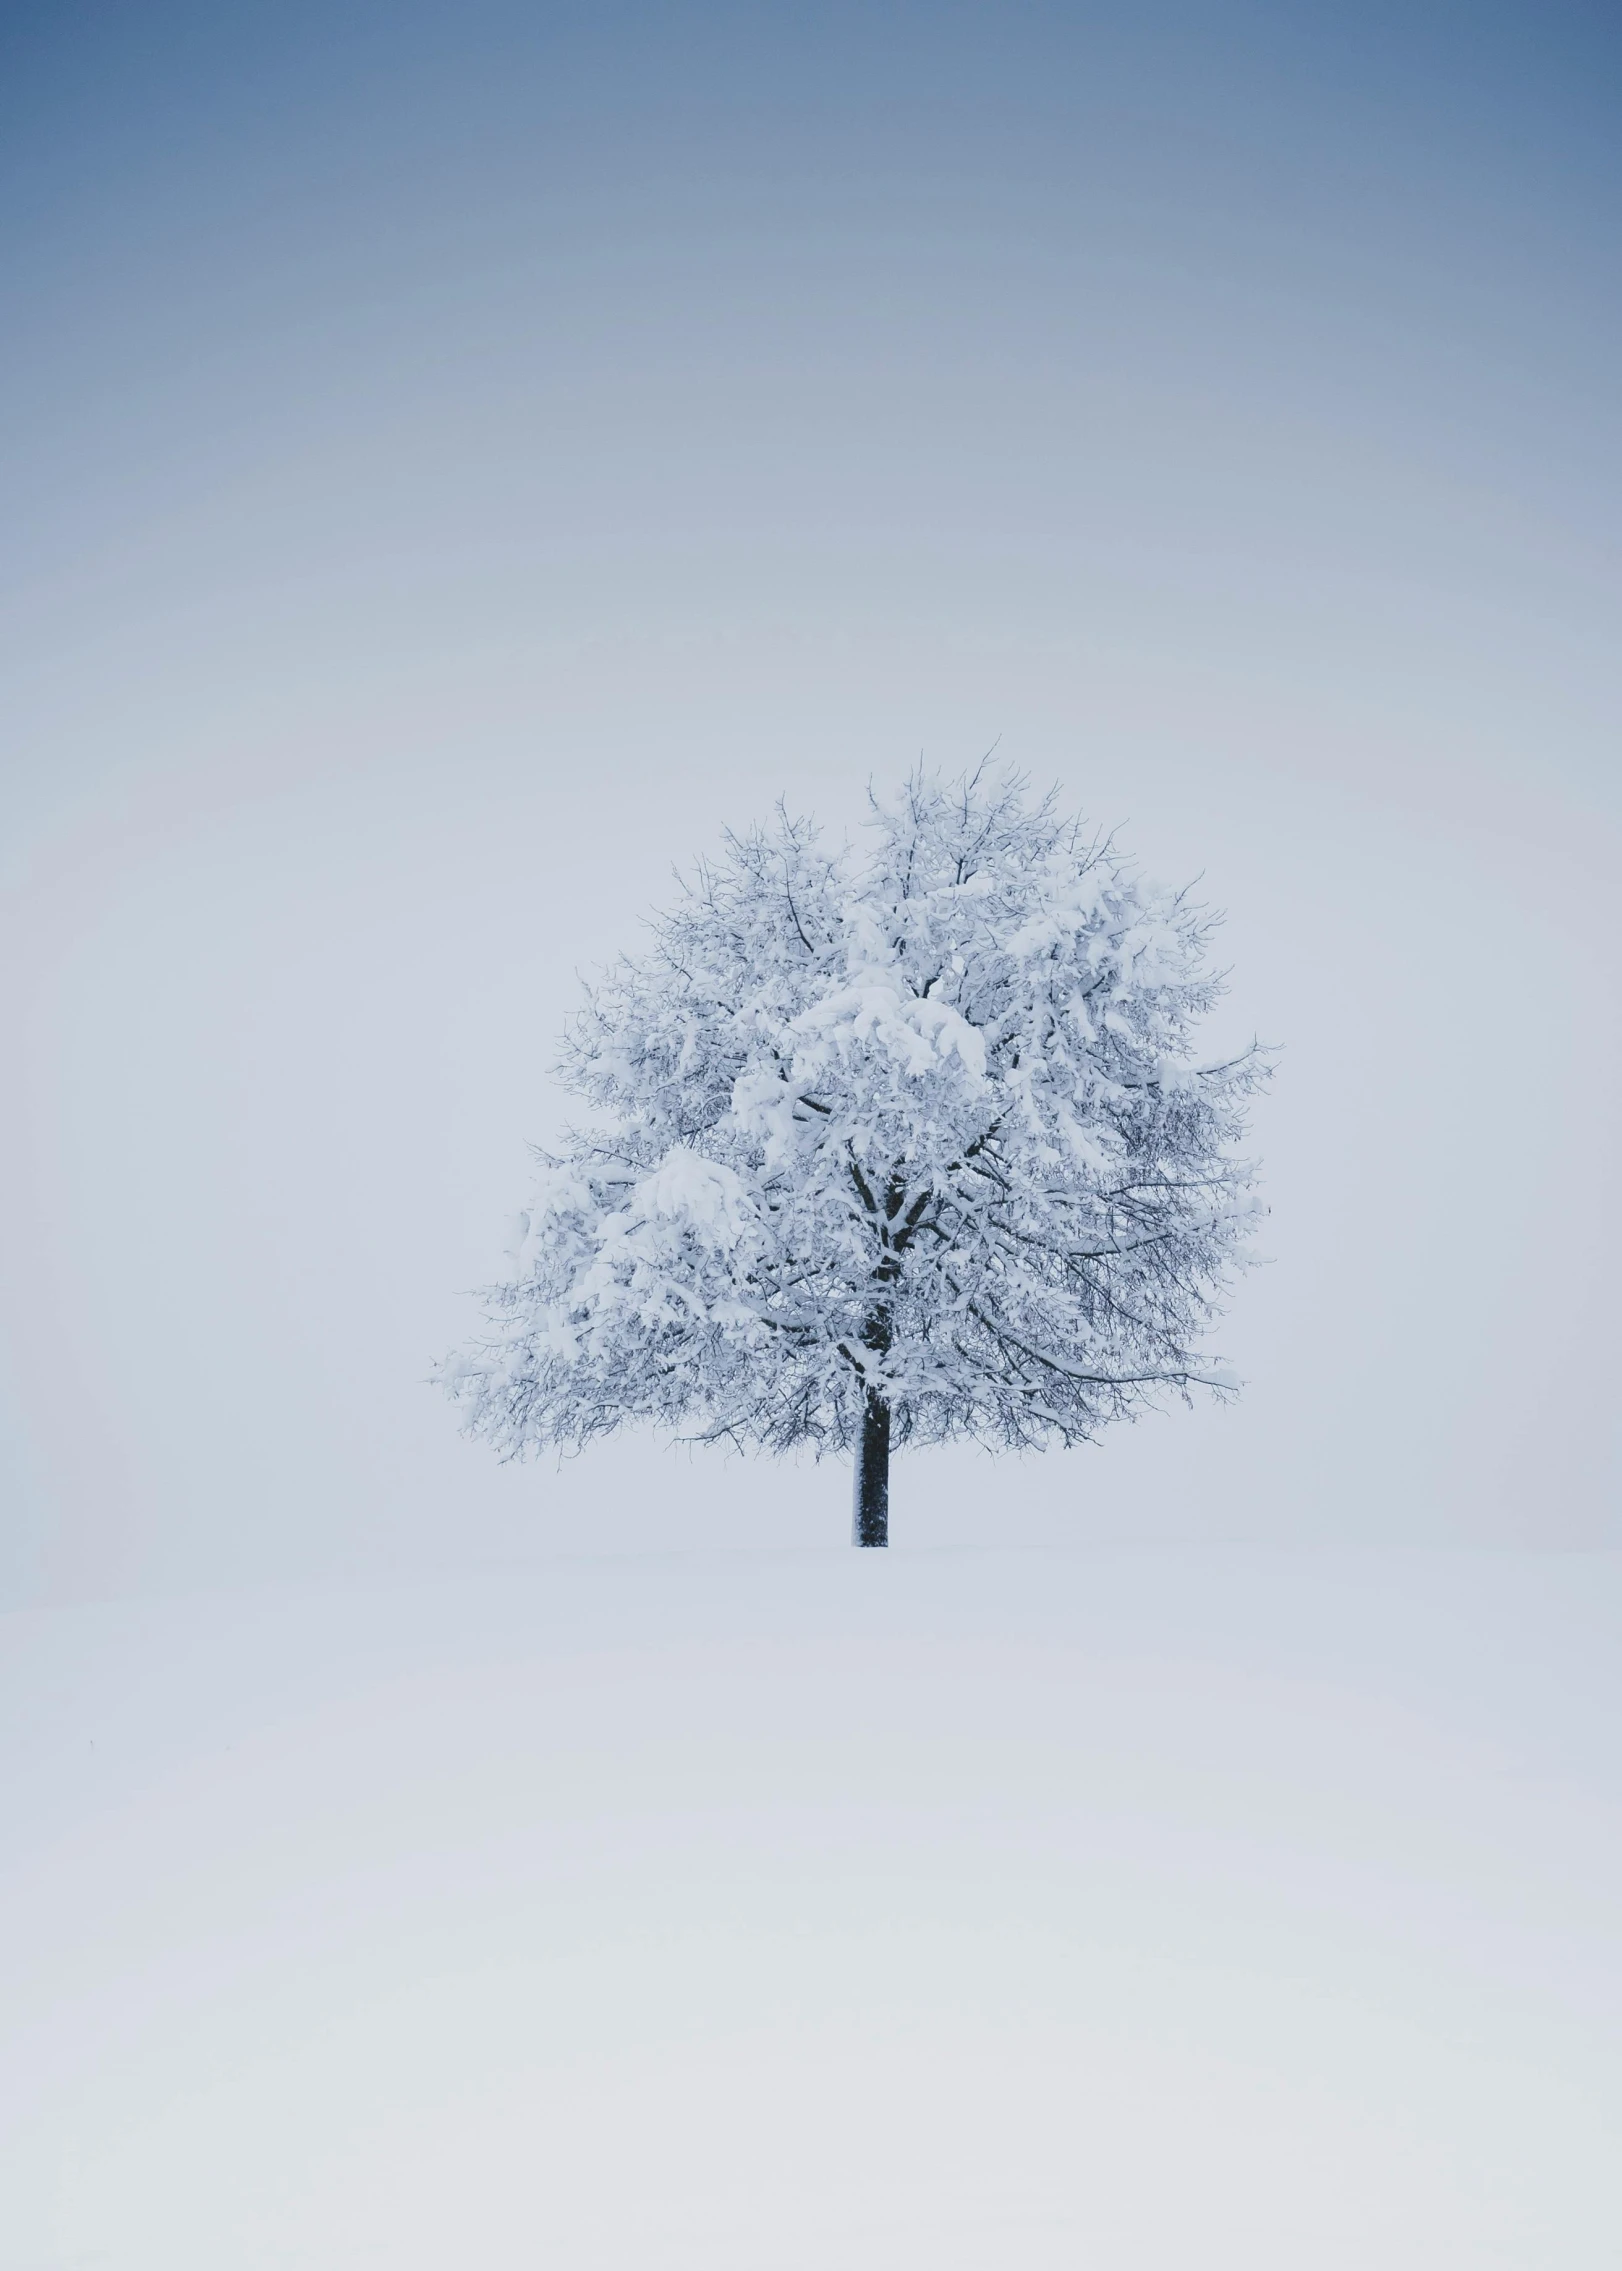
x=788, y=1911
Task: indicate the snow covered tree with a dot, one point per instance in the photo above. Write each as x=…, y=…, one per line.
x=894, y=1146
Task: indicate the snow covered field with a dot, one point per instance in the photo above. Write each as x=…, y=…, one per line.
x=778, y=1911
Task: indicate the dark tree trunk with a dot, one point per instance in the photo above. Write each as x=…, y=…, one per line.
x=870, y=1522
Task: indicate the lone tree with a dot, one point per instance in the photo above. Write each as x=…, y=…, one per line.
x=886, y=1148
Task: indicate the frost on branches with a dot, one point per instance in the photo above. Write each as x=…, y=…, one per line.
x=903, y=1144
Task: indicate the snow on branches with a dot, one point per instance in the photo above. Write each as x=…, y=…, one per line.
x=918, y=1132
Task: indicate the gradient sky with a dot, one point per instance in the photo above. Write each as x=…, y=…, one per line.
x=456, y=461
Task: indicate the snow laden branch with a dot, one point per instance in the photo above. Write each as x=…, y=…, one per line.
x=909, y=1142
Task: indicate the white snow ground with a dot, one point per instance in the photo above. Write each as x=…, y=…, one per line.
x=1108, y=1909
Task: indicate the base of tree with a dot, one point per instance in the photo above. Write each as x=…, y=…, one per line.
x=870, y=1513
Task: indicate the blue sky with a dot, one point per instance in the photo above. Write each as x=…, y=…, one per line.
x=456, y=462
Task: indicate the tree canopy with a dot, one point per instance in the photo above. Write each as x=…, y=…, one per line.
x=905, y=1140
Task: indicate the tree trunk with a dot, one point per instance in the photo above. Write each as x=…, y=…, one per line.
x=870, y=1523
